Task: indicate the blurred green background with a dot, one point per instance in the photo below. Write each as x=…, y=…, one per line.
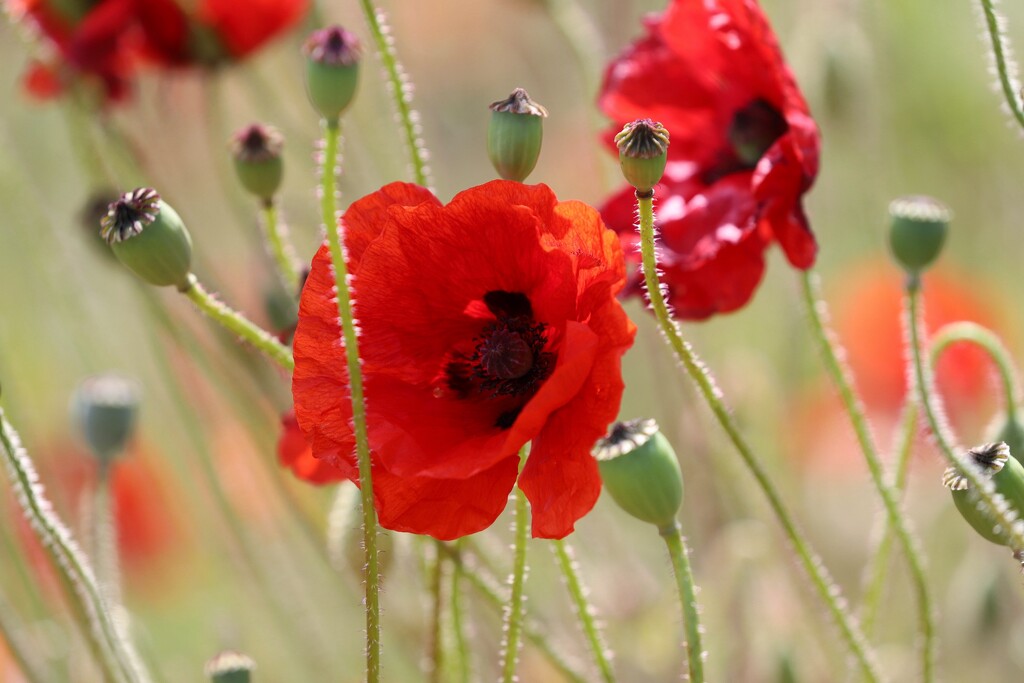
x=903, y=94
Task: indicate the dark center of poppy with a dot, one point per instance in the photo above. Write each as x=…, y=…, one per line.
x=254, y=139
x=127, y=216
x=508, y=360
x=754, y=129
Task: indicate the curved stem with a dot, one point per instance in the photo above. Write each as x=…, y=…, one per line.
x=987, y=340
x=105, y=632
x=1002, y=56
x=333, y=227
x=584, y=610
x=281, y=248
x=831, y=353
x=237, y=324
x=993, y=503
x=812, y=564
x=401, y=92
x=514, y=613
x=678, y=553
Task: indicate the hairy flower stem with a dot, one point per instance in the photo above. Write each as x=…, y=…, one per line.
x=679, y=555
x=462, y=665
x=584, y=611
x=831, y=353
x=487, y=586
x=990, y=343
x=435, y=574
x=281, y=248
x=401, y=92
x=514, y=612
x=812, y=564
x=332, y=133
x=1002, y=56
x=237, y=324
x=878, y=565
x=994, y=504
x=103, y=630
x=104, y=537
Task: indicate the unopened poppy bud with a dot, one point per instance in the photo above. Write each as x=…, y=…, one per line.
x=515, y=135
x=1007, y=475
x=643, y=153
x=332, y=70
x=106, y=407
x=640, y=470
x=149, y=237
x=230, y=667
x=256, y=150
x=917, y=231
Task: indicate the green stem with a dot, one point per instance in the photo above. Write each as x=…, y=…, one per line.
x=27, y=655
x=513, y=626
x=994, y=504
x=831, y=353
x=435, y=571
x=584, y=611
x=401, y=92
x=487, y=587
x=988, y=341
x=355, y=375
x=1002, y=56
x=677, y=552
x=104, y=537
x=281, y=248
x=108, y=639
x=812, y=564
x=237, y=324
x=878, y=566
x=461, y=651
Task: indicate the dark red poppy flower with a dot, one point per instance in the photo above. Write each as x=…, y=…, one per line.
x=744, y=150
x=108, y=39
x=96, y=42
x=212, y=31
x=484, y=324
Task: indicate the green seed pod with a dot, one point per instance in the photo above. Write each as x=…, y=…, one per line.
x=917, y=231
x=149, y=237
x=640, y=470
x=332, y=70
x=643, y=153
x=515, y=135
x=230, y=667
x=1006, y=474
x=256, y=151
x=106, y=407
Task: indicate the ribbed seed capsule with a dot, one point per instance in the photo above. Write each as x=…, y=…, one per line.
x=256, y=152
x=230, y=667
x=332, y=70
x=1006, y=474
x=106, y=407
x=643, y=153
x=515, y=135
x=149, y=237
x=640, y=470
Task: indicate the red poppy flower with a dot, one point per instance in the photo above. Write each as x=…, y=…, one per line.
x=108, y=39
x=744, y=150
x=484, y=324
x=96, y=43
x=212, y=31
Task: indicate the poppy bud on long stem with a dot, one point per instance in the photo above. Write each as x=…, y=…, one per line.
x=230, y=667
x=332, y=70
x=917, y=231
x=643, y=153
x=149, y=237
x=1005, y=473
x=106, y=407
x=515, y=135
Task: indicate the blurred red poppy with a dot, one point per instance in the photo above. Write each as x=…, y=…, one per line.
x=744, y=150
x=107, y=40
x=485, y=324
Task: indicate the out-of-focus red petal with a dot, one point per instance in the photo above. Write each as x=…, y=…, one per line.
x=244, y=27
x=42, y=81
x=296, y=453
